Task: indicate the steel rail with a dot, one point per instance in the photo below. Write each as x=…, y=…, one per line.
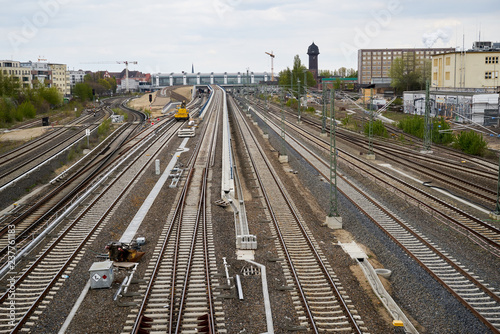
x=350, y=317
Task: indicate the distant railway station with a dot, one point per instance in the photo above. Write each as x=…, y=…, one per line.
x=162, y=80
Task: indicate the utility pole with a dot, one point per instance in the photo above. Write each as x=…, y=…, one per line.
x=298, y=100
x=333, y=220
x=371, y=155
x=323, y=116
x=427, y=130
x=283, y=158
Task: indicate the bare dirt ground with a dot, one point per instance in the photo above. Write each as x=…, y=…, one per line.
x=23, y=134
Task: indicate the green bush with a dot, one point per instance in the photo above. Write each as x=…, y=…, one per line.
x=439, y=133
x=471, y=142
x=292, y=103
x=398, y=101
x=346, y=120
x=51, y=95
x=378, y=128
x=103, y=129
x=415, y=125
x=26, y=110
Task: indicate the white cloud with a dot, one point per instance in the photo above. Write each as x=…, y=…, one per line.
x=231, y=35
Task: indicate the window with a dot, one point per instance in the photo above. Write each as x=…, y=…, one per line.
x=434, y=76
x=487, y=75
x=447, y=76
x=448, y=61
x=435, y=62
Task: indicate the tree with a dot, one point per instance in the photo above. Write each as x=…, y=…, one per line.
x=325, y=73
x=352, y=73
x=51, y=95
x=112, y=83
x=83, y=91
x=105, y=84
x=290, y=78
x=344, y=72
x=9, y=86
x=406, y=74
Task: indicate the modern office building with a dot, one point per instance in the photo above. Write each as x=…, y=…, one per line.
x=76, y=77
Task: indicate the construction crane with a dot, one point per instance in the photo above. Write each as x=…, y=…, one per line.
x=126, y=69
x=118, y=62
x=272, y=67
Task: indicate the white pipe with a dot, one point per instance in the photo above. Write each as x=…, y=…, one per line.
x=265, y=292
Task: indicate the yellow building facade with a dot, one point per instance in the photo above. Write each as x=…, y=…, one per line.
x=466, y=70
x=60, y=78
x=13, y=69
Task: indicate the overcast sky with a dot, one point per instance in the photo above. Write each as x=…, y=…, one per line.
x=233, y=35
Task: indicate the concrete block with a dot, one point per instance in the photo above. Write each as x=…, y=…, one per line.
x=370, y=157
x=335, y=223
x=495, y=216
x=283, y=159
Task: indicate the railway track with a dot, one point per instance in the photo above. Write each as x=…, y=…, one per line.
x=318, y=293
x=481, y=299
x=443, y=172
x=32, y=219
x=33, y=287
x=478, y=230
x=180, y=295
x=21, y=162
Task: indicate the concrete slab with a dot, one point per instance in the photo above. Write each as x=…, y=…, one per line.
x=132, y=228
x=354, y=251
x=426, y=152
x=245, y=254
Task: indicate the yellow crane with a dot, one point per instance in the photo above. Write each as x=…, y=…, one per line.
x=272, y=67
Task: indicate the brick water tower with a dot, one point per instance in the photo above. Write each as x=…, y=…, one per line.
x=313, y=52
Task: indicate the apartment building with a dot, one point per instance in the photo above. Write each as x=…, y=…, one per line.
x=14, y=69
x=60, y=78
x=76, y=77
x=374, y=64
